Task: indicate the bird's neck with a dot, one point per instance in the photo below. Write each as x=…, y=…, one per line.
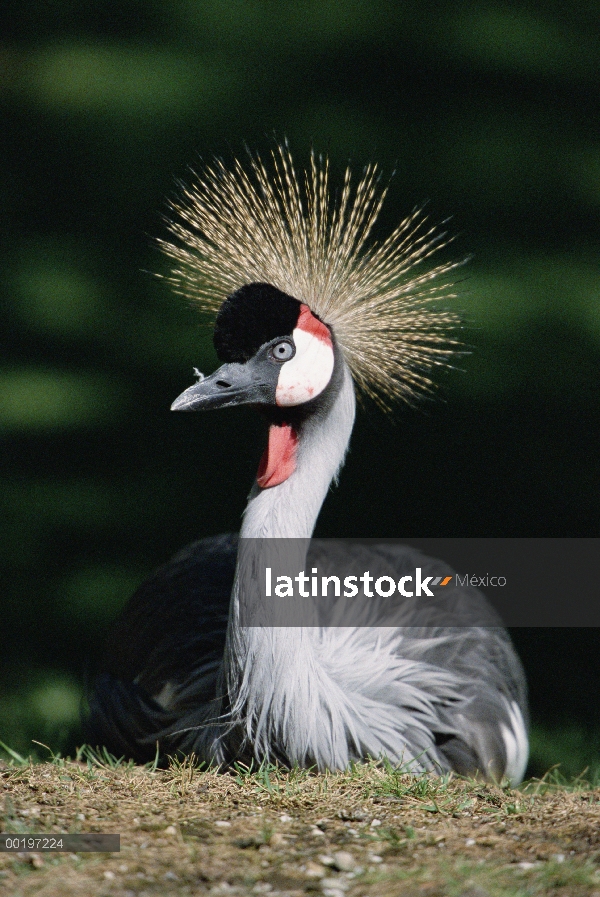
x=257, y=691
x=290, y=510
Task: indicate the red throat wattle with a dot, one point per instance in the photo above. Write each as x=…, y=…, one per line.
x=279, y=459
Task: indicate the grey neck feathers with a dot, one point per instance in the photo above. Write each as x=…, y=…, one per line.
x=257, y=659
x=290, y=510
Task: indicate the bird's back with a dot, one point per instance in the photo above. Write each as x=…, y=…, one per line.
x=436, y=685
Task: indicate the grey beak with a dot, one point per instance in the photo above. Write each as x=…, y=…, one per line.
x=231, y=384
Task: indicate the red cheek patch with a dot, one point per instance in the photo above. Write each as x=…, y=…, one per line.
x=279, y=459
x=312, y=325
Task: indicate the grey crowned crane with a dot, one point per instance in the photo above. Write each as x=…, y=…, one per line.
x=307, y=308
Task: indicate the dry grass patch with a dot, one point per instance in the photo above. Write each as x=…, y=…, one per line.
x=369, y=831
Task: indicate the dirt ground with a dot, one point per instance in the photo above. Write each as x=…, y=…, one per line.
x=369, y=831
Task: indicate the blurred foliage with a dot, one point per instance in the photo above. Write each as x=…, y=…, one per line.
x=572, y=749
x=44, y=714
x=486, y=110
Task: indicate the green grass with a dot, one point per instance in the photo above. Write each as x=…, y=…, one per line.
x=46, y=711
x=565, y=757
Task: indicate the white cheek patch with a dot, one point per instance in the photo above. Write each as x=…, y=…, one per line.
x=307, y=374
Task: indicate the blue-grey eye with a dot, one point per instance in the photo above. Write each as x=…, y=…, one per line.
x=282, y=351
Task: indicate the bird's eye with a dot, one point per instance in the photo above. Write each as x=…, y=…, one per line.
x=282, y=351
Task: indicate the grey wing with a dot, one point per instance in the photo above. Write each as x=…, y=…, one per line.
x=480, y=717
x=163, y=658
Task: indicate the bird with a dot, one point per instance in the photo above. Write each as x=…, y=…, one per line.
x=310, y=312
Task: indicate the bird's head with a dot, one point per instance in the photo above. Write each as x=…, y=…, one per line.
x=310, y=295
x=277, y=354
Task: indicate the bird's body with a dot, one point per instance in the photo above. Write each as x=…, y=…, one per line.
x=439, y=687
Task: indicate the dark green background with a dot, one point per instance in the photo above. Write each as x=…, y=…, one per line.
x=487, y=111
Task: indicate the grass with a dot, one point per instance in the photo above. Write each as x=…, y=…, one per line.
x=47, y=709
x=371, y=830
